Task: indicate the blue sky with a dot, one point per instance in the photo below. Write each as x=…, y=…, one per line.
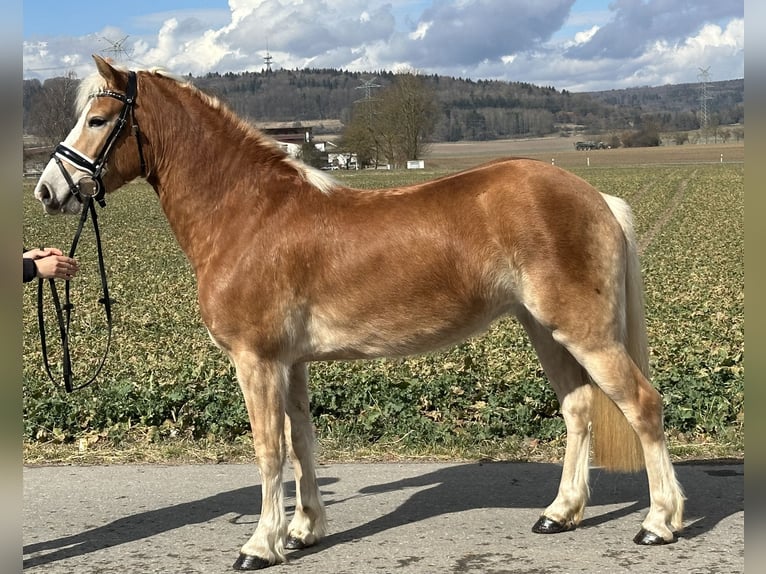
x=579, y=45
x=48, y=18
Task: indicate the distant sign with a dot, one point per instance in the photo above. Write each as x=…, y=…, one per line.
x=416, y=164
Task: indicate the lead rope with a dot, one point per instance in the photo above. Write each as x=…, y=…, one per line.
x=63, y=312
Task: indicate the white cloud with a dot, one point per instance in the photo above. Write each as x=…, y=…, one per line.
x=540, y=42
x=585, y=35
x=713, y=47
x=733, y=36
x=421, y=31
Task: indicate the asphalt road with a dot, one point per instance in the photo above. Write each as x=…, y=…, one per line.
x=397, y=518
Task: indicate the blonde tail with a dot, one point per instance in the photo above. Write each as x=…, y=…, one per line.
x=615, y=444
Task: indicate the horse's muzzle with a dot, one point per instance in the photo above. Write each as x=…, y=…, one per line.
x=52, y=205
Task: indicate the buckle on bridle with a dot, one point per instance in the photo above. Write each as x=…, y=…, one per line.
x=87, y=187
x=91, y=188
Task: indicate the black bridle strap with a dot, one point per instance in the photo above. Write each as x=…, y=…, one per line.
x=128, y=100
x=94, y=168
x=63, y=312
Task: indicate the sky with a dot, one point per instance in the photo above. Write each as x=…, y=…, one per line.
x=577, y=45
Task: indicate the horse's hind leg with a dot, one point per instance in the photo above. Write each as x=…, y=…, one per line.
x=613, y=370
x=573, y=390
x=308, y=525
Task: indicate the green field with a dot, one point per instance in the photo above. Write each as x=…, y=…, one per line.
x=165, y=386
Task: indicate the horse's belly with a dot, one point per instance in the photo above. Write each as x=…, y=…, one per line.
x=394, y=334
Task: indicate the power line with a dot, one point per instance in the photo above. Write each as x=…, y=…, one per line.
x=267, y=59
x=367, y=86
x=704, y=77
x=117, y=49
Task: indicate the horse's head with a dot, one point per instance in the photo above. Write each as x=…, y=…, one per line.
x=99, y=154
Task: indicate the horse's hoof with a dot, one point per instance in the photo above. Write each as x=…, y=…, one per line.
x=295, y=543
x=545, y=525
x=646, y=538
x=247, y=562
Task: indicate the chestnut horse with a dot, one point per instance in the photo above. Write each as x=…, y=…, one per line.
x=293, y=267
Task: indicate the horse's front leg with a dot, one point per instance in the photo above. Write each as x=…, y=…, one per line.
x=264, y=385
x=308, y=525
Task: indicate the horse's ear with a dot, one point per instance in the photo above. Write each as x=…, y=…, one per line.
x=112, y=76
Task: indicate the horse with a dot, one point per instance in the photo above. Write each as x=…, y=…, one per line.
x=293, y=267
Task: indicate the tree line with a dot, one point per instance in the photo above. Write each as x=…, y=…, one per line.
x=453, y=109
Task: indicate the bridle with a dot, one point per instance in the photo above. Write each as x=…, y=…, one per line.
x=93, y=186
x=86, y=191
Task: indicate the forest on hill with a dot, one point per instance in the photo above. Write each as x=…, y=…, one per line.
x=467, y=109
x=480, y=109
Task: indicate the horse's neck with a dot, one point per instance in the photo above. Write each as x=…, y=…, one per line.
x=188, y=219
x=192, y=183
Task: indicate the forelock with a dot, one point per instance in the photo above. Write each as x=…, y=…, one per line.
x=95, y=83
x=88, y=87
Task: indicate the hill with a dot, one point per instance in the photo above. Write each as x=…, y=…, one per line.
x=470, y=109
x=477, y=110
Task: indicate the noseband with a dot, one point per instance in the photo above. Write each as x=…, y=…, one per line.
x=93, y=186
x=87, y=190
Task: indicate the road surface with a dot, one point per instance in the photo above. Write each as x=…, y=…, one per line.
x=384, y=518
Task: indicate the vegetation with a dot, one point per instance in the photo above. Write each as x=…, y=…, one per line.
x=49, y=109
x=466, y=109
x=394, y=128
x=164, y=381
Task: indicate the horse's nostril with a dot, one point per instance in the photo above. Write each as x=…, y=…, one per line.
x=44, y=194
x=46, y=197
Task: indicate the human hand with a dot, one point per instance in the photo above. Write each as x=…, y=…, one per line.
x=51, y=263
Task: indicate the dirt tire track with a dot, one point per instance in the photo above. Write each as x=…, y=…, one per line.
x=675, y=201
x=633, y=198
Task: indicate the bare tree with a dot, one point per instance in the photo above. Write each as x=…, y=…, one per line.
x=410, y=112
x=52, y=113
x=397, y=127
x=359, y=137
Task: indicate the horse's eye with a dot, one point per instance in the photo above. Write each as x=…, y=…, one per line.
x=96, y=122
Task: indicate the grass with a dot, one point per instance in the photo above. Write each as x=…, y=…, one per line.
x=138, y=450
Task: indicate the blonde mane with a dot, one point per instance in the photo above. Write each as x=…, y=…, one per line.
x=95, y=84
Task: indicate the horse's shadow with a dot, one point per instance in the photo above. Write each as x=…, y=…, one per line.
x=533, y=486
x=451, y=489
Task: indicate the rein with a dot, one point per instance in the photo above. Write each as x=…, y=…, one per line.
x=64, y=312
x=87, y=190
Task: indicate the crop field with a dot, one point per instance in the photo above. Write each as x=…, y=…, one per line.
x=165, y=381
